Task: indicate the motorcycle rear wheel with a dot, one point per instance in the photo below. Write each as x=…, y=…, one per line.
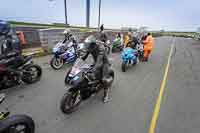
x=17, y=124
x=56, y=63
x=69, y=102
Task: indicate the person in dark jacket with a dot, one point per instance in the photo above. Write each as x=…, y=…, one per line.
x=9, y=41
x=102, y=36
x=101, y=63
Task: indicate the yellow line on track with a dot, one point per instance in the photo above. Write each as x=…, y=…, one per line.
x=159, y=99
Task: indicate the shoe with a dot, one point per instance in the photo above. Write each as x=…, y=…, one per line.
x=107, y=99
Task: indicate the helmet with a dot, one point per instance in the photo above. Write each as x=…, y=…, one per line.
x=67, y=32
x=4, y=27
x=81, y=50
x=130, y=30
x=149, y=33
x=90, y=40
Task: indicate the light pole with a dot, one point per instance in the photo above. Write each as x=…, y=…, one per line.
x=87, y=13
x=65, y=6
x=99, y=18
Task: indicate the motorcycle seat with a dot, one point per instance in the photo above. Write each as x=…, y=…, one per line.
x=27, y=58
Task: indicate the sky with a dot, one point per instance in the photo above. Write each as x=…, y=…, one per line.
x=182, y=15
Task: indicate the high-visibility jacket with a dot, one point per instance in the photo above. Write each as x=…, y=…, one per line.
x=126, y=40
x=148, y=43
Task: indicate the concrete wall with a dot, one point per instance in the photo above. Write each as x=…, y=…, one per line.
x=49, y=37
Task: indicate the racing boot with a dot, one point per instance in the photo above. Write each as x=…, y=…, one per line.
x=107, y=97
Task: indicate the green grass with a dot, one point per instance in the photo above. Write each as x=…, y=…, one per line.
x=39, y=25
x=176, y=34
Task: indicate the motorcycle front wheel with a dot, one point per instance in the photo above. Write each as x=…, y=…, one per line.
x=32, y=74
x=56, y=63
x=70, y=101
x=17, y=124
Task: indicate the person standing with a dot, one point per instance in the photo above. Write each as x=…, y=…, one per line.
x=148, y=46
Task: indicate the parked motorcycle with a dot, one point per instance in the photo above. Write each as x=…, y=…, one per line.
x=16, y=68
x=129, y=57
x=140, y=48
x=116, y=46
x=82, y=86
x=15, y=123
x=63, y=54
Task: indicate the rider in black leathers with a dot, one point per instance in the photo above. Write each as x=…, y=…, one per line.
x=8, y=52
x=101, y=63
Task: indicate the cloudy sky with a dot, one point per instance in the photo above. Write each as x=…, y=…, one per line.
x=156, y=14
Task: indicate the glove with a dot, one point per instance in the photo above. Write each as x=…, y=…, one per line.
x=91, y=75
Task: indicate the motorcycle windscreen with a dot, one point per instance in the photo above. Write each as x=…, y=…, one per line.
x=78, y=66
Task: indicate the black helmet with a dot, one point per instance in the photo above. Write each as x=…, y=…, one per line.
x=90, y=42
x=4, y=27
x=90, y=39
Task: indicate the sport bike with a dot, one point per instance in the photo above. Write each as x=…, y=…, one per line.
x=63, y=53
x=82, y=86
x=129, y=58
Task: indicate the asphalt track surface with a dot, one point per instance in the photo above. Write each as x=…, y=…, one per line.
x=134, y=96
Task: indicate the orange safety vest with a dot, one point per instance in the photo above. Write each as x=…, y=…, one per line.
x=126, y=40
x=148, y=43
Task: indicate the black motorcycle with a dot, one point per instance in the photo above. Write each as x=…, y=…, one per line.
x=82, y=86
x=15, y=123
x=16, y=68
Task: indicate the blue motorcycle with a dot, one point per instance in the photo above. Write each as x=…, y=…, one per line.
x=129, y=57
x=63, y=53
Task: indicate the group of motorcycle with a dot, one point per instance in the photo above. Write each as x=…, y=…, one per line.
x=129, y=56
x=14, y=70
x=81, y=86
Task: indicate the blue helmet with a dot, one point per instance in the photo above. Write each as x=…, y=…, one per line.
x=4, y=27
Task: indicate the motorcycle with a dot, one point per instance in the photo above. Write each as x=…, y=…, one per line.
x=63, y=54
x=82, y=86
x=16, y=68
x=117, y=45
x=15, y=123
x=140, y=49
x=129, y=57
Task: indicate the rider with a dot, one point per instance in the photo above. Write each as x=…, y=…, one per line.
x=6, y=40
x=103, y=37
x=118, y=40
x=68, y=36
x=133, y=40
x=101, y=63
x=7, y=49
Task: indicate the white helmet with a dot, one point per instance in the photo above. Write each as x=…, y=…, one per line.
x=67, y=32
